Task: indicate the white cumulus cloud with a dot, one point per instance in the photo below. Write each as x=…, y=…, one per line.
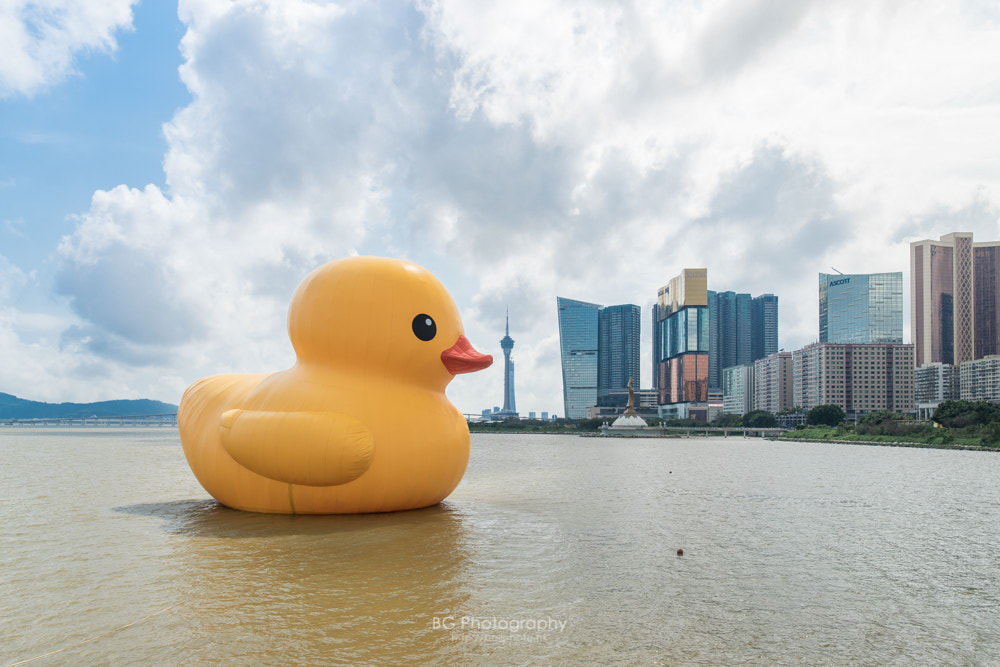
x=527, y=150
x=39, y=39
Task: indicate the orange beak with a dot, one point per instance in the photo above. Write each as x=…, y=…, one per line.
x=463, y=358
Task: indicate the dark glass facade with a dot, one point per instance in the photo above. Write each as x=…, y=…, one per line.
x=599, y=349
x=729, y=333
x=618, y=348
x=684, y=331
x=742, y=329
x=764, y=326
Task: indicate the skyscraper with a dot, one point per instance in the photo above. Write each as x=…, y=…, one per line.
x=861, y=308
x=954, y=310
x=599, y=348
x=507, y=344
x=742, y=329
x=728, y=334
x=763, y=326
x=618, y=348
x=578, y=350
x=681, y=344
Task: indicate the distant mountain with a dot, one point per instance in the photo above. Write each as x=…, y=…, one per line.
x=12, y=407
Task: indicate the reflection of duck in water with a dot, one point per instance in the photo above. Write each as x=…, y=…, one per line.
x=361, y=422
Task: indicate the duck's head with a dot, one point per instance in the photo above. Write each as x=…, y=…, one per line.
x=379, y=315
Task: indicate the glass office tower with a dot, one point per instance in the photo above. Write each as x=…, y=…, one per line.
x=599, y=347
x=742, y=329
x=618, y=348
x=763, y=326
x=861, y=308
x=578, y=333
x=681, y=344
x=729, y=339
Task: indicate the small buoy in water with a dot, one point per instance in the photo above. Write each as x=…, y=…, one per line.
x=680, y=552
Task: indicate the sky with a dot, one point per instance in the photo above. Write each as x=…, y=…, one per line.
x=169, y=172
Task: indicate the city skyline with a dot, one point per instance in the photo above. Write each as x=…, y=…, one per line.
x=170, y=172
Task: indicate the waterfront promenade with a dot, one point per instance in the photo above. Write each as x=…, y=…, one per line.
x=690, y=432
x=122, y=421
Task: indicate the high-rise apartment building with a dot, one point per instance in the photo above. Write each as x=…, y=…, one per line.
x=934, y=383
x=737, y=389
x=861, y=308
x=599, y=347
x=954, y=308
x=742, y=329
x=979, y=380
x=681, y=344
x=860, y=378
x=773, y=385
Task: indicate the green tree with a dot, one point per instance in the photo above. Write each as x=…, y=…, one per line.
x=759, y=419
x=959, y=414
x=990, y=434
x=879, y=417
x=727, y=420
x=825, y=415
x=950, y=413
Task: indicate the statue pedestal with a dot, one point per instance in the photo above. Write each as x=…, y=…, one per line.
x=628, y=423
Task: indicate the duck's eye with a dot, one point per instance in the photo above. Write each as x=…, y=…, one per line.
x=424, y=327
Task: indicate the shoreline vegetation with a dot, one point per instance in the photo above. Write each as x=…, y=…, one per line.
x=968, y=425
x=945, y=440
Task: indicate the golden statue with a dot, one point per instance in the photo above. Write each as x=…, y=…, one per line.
x=630, y=408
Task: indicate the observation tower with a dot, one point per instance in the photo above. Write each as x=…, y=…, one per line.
x=507, y=343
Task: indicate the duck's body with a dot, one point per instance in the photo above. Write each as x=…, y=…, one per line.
x=361, y=423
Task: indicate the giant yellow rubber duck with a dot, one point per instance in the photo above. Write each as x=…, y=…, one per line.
x=361, y=422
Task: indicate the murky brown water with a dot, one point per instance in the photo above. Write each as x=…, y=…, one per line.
x=554, y=550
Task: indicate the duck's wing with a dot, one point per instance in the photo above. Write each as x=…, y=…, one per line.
x=310, y=448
